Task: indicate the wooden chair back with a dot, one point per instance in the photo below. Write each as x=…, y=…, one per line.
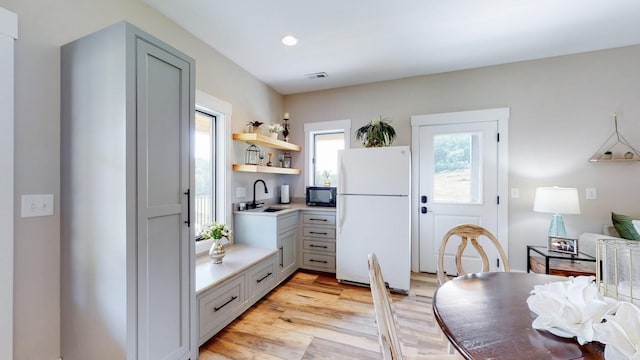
x=387, y=331
x=468, y=232
x=386, y=319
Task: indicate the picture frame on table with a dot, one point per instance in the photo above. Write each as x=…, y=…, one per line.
x=564, y=245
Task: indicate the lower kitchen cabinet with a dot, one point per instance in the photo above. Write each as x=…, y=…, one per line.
x=272, y=232
x=221, y=305
x=319, y=241
x=266, y=250
x=224, y=291
x=261, y=278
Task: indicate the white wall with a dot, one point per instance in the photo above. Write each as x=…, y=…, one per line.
x=8, y=33
x=561, y=112
x=44, y=27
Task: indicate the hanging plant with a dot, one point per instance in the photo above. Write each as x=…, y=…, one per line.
x=377, y=133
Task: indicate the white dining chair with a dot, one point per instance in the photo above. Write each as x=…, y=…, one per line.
x=385, y=318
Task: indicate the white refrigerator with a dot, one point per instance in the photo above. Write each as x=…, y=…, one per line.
x=374, y=215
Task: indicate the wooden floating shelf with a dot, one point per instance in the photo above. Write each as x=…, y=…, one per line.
x=265, y=169
x=614, y=160
x=266, y=141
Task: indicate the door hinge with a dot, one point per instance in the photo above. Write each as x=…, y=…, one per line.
x=498, y=199
x=498, y=137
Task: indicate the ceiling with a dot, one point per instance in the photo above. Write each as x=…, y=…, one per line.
x=363, y=41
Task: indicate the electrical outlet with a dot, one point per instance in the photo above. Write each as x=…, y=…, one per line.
x=241, y=192
x=37, y=205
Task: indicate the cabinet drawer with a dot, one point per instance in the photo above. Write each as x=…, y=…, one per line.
x=287, y=222
x=220, y=306
x=326, y=262
x=319, y=219
x=315, y=245
x=262, y=278
x=319, y=232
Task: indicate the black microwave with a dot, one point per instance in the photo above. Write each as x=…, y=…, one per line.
x=321, y=196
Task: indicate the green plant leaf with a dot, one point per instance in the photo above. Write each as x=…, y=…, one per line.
x=377, y=133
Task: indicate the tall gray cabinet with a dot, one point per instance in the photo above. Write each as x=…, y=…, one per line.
x=127, y=261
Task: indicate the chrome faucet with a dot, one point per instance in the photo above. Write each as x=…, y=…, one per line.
x=266, y=191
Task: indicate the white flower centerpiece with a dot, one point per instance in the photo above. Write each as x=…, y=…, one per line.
x=275, y=129
x=216, y=231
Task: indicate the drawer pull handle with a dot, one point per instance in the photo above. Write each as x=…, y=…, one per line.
x=318, y=246
x=318, y=261
x=312, y=219
x=215, y=309
x=264, y=277
x=318, y=233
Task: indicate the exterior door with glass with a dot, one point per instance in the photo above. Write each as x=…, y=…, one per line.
x=458, y=183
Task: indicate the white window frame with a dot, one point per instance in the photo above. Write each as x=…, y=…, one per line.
x=322, y=127
x=214, y=159
x=222, y=110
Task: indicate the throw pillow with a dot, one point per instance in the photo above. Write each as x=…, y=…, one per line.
x=625, y=226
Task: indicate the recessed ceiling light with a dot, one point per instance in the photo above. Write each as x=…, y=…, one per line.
x=290, y=40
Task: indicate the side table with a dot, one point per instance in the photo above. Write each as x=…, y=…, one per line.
x=542, y=261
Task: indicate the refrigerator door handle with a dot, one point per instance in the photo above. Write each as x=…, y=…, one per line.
x=340, y=199
x=340, y=213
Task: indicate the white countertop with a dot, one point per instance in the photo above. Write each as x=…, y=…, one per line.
x=237, y=259
x=240, y=257
x=288, y=208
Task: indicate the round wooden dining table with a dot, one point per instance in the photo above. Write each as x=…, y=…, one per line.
x=486, y=316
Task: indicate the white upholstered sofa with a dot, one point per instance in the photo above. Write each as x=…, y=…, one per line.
x=587, y=241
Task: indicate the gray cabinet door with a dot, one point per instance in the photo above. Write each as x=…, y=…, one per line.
x=163, y=117
x=287, y=248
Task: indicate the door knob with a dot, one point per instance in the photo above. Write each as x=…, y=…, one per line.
x=424, y=210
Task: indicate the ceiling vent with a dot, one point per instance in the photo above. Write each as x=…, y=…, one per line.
x=319, y=75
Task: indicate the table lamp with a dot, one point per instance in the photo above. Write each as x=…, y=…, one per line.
x=557, y=201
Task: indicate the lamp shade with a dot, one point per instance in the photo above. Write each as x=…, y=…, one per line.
x=556, y=200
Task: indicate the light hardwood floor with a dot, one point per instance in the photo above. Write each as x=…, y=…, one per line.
x=312, y=316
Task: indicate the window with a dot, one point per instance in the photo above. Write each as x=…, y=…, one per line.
x=457, y=164
x=213, y=134
x=205, y=169
x=325, y=157
x=323, y=140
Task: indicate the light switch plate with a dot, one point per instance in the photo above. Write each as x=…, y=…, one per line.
x=591, y=194
x=241, y=192
x=515, y=193
x=37, y=205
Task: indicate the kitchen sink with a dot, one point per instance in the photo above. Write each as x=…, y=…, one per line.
x=270, y=209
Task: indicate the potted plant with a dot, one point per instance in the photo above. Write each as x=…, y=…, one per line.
x=274, y=130
x=607, y=155
x=326, y=175
x=628, y=155
x=255, y=125
x=377, y=133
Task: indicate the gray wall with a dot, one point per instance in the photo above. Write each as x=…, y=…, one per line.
x=44, y=26
x=561, y=113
